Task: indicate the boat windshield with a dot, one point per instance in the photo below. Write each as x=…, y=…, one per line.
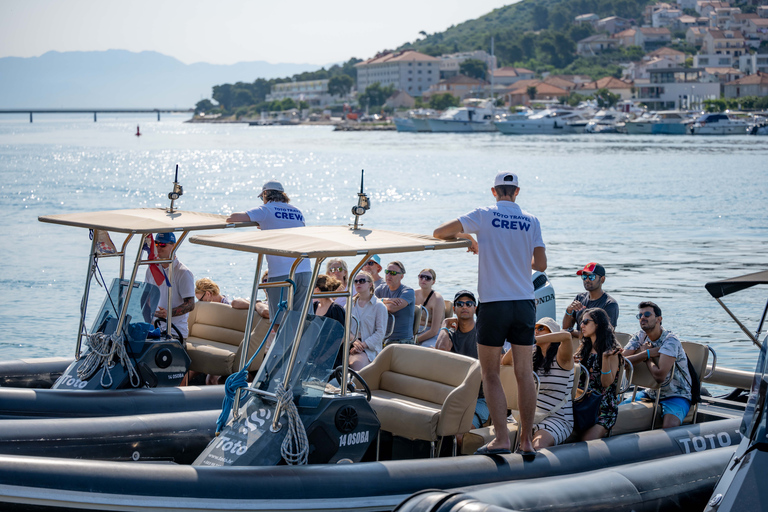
x=141, y=307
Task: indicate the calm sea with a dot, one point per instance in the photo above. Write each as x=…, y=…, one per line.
x=664, y=215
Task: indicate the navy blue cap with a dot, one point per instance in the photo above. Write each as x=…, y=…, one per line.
x=165, y=238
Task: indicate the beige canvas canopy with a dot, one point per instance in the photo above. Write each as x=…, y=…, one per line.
x=143, y=220
x=325, y=241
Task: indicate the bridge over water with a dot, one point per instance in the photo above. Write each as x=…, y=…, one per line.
x=95, y=111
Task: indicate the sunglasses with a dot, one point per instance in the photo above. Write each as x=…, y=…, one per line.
x=361, y=281
x=161, y=245
x=645, y=314
x=392, y=272
x=336, y=269
x=370, y=263
x=591, y=277
x=462, y=303
x=586, y=321
x=425, y=277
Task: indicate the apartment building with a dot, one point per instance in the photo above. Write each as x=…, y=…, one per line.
x=409, y=71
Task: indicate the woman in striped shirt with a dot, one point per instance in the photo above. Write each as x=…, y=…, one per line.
x=553, y=363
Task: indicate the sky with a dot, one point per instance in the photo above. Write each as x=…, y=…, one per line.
x=229, y=31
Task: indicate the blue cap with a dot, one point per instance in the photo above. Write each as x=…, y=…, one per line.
x=375, y=258
x=165, y=238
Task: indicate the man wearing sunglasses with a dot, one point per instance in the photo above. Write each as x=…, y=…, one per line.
x=399, y=300
x=661, y=351
x=182, y=287
x=277, y=213
x=509, y=244
x=459, y=335
x=373, y=267
x=592, y=277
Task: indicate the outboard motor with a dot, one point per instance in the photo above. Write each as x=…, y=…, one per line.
x=337, y=427
x=545, y=296
x=127, y=359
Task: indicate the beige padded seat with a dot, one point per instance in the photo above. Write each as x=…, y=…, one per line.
x=422, y=393
x=638, y=416
x=448, y=309
x=216, y=333
x=698, y=355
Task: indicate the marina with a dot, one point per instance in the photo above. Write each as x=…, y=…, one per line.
x=665, y=253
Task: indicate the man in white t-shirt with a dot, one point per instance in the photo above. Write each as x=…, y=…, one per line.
x=509, y=245
x=182, y=286
x=276, y=213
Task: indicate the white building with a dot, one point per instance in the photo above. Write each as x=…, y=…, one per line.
x=674, y=88
x=408, y=71
x=450, y=63
x=751, y=64
x=314, y=92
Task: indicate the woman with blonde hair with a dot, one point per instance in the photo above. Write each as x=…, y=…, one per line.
x=434, y=304
x=372, y=316
x=338, y=269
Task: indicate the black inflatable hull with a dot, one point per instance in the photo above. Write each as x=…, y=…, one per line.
x=680, y=483
x=33, y=373
x=79, y=484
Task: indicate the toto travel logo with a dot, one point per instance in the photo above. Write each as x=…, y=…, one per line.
x=709, y=441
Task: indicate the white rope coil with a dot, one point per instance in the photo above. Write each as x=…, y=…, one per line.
x=295, y=447
x=104, y=349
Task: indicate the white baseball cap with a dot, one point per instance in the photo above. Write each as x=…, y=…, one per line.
x=271, y=185
x=505, y=178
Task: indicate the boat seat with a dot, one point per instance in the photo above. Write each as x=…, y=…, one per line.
x=638, y=416
x=421, y=393
x=448, y=309
x=418, y=313
x=698, y=355
x=216, y=334
x=477, y=437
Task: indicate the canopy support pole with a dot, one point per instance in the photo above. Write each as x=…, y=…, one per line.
x=738, y=322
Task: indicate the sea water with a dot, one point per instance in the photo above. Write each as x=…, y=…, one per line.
x=663, y=214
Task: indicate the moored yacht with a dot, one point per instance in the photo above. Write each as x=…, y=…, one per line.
x=721, y=123
x=666, y=122
x=476, y=116
x=416, y=120
x=606, y=121
x=555, y=120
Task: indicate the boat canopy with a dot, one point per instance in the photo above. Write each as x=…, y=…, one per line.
x=143, y=220
x=727, y=286
x=326, y=241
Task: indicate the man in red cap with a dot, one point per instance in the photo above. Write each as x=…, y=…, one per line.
x=593, y=277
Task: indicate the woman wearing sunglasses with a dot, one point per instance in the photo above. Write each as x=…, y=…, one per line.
x=433, y=301
x=338, y=270
x=372, y=316
x=600, y=353
x=553, y=363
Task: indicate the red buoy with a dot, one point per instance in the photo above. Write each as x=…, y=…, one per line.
x=138, y=133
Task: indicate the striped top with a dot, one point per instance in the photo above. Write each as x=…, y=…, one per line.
x=556, y=385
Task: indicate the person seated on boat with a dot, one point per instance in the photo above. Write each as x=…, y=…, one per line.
x=373, y=267
x=553, y=363
x=371, y=315
x=459, y=335
x=325, y=306
x=434, y=304
x=399, y=300
x=337, y=269
x=208, y=291
x=183, y=286
x=593, y=277
x=661, y=351
x=599, y=353
x=277, y=213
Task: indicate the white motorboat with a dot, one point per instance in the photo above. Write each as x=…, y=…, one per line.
x=415, y=121
x=551, y=121
x=760, y=127
x=606, y=121
x=720, y=123
x=665, y=122
x=477, y=116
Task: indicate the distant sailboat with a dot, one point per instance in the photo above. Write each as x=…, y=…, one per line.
x=138, y=132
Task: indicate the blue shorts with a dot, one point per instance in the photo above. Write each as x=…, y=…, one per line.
x=676, y=405
x=481, y=413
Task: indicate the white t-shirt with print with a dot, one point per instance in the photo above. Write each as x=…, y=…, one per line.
x=182, y=286
x=276, y=215
x=506, y=236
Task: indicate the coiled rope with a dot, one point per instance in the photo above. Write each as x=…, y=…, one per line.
x=104, y=348
x=295, y=447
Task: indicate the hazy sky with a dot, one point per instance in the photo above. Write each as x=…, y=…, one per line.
x=228, y=31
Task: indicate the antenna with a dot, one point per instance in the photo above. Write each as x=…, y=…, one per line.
x=178, y=190
x=363, y=203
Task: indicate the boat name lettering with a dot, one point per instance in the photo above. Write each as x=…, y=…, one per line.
x=353, y=438
x=72, y=382
x=226, y=444
x=175, y=376
x=506, y=224
x=546, y=298
x=259, y=418
x=709, y=441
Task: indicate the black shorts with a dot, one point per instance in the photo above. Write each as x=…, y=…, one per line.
x=510, y=320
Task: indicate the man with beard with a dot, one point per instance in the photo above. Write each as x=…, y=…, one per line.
x=593, y=277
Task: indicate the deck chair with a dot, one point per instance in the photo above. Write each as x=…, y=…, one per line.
x=476, y=438
x=698, y=355
x=423, y=394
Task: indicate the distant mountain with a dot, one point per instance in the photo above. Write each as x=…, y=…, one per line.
x=121, y=79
